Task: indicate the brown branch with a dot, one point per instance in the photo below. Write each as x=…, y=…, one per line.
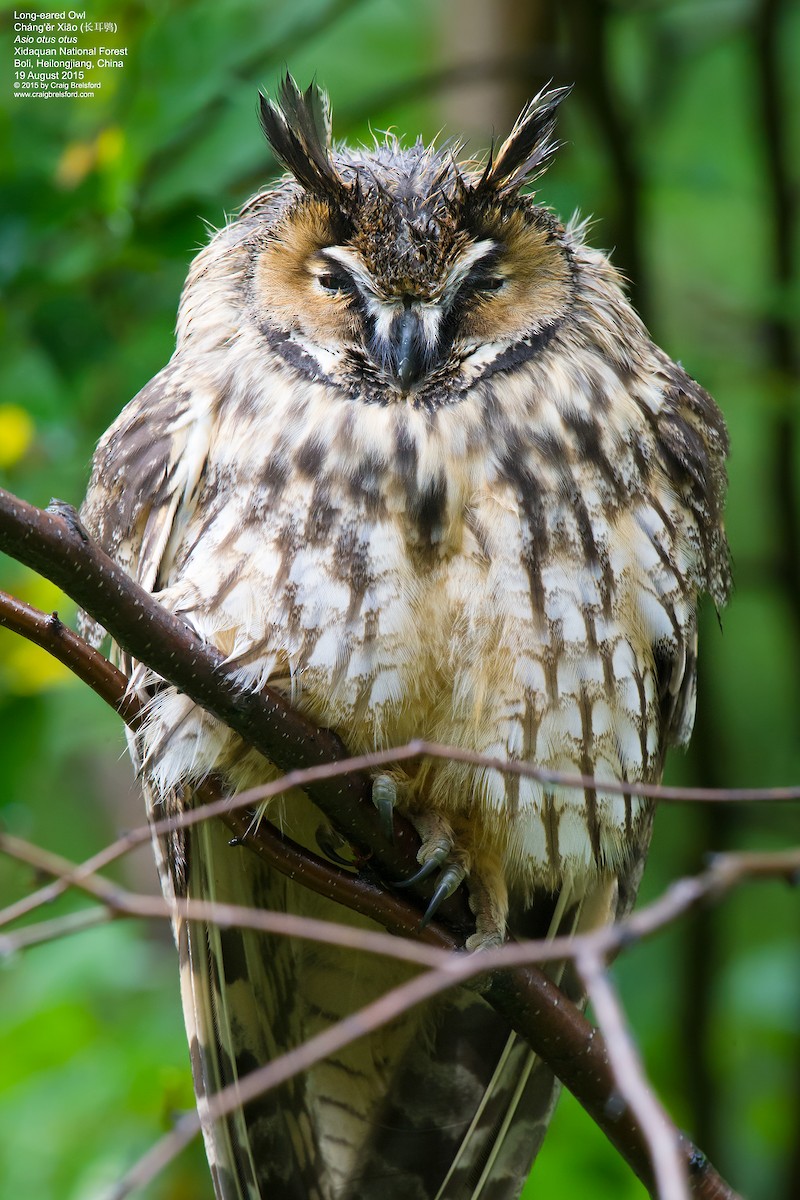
x=57, y=547
x=529, y=1001
x=589, y=950
x=588, y=24
x=395, y=913
x=774, y=139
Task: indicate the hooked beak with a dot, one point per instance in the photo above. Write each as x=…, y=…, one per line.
x=405, y=341
x=407, y=349
x=407, y=359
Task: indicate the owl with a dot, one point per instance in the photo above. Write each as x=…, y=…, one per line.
x=417, y=464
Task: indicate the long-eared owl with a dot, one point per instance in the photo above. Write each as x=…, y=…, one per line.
x=416, y=463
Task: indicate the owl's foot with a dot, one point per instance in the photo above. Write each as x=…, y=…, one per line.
x=488, y=899
x=443, y=852
x=437, y=854
x=384, y=797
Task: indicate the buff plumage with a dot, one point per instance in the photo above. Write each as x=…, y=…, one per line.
x=417, y=463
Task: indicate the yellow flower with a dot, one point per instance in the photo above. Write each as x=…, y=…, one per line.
x=25, y=668
x=16, y=433
x=79, y=158
x=109, y=145
x=75, y=163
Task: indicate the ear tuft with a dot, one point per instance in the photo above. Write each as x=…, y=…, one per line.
x=526, y=152
x=298, y=128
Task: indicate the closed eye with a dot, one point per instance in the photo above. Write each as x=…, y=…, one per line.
x=490, y=283
x=335, y=281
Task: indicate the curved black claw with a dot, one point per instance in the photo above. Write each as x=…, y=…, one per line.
x=384, y=797
x=428, y=868
x=448, y=883
x=330, y=843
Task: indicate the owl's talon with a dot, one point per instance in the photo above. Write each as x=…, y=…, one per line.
x=450, y=879
x=384, y=797
x=428, y=868
x=330, y=842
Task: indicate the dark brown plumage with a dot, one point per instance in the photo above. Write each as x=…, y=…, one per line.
x=416, y=462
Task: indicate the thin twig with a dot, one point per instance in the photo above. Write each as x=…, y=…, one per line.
x=669, y=1163
x=50, y=931
x=120, y=901
x=577, y=1042
x=724, y=873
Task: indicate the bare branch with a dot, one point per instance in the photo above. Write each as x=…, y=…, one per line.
x=525, y=996
x=51, y=931
x=577, y=1042
x=669, y=1164
x=60, y=550
x=121, y=902
x=396, y=913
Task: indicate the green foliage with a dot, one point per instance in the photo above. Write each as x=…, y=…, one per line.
x=80, y=1101
x=102, y=205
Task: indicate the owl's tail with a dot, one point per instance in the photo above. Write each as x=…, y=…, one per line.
x=442, y=1104
x=509, y=1127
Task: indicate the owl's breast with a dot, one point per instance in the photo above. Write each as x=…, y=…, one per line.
x=513, y=604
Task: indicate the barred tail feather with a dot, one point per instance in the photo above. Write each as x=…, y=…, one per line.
x=422, y=1109
x=507, y=1132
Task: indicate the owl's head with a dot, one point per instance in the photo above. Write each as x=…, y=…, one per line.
x=401, y=273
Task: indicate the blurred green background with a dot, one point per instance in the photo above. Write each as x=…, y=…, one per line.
x=681, y=138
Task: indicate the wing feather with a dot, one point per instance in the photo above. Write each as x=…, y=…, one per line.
x=146, y=475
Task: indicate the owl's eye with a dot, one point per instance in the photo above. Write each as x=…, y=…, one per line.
x=491, y=283
x=334, y=281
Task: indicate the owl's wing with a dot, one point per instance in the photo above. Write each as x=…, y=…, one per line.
x=387, y=1118
x=146, y=475
x=147, y=472
x=237, y=990
x=692, y=443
